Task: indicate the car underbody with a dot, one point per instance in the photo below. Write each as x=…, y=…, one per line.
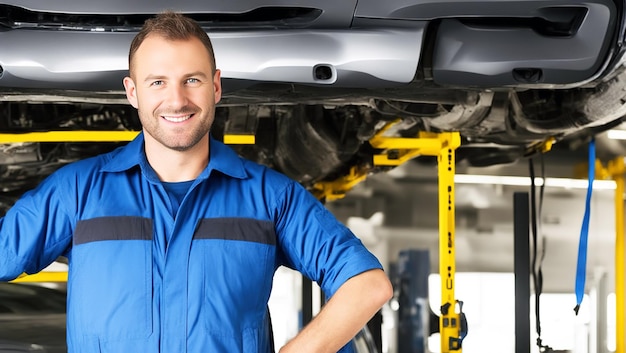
x=314, y=139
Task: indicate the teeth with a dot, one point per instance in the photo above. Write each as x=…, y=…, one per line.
x=176, y=119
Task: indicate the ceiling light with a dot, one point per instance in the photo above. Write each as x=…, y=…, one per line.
x=616, y=134
x=566, y=183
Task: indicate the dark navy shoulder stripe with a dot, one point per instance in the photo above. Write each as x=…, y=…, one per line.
x=113, y=228
x=243, y=229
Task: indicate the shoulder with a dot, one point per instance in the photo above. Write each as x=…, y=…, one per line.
x=267, y=174
x=280, y=192
x=273, y=180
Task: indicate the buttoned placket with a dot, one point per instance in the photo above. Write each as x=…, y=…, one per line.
x=174, y=302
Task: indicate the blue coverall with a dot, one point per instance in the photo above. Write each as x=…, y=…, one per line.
x=144, y=277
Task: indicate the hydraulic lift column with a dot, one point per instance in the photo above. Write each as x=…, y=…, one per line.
x=397, y=150
x=451, y=320
x=616, y=171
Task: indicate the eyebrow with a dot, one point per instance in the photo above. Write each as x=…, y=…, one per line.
x=163, y=77
x=196, y=74
x=154, y=78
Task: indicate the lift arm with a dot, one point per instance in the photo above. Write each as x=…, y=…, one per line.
x=100, y=136
x=43, y=276
x=337, y=189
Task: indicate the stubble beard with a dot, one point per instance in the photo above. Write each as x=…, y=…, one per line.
x=181, y=139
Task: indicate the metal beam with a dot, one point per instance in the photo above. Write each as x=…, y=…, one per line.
x=450, y=320
x=616, y=170
x=44, y=276
x=239, y=139
x=69, y=136
x=99, y=136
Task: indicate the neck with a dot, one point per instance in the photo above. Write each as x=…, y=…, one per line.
x=175, y=166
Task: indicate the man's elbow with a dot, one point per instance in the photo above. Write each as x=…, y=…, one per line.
x=383, y=290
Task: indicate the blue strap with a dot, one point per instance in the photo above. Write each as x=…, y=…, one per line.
x=584, y=231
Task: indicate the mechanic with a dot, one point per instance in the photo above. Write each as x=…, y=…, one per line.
x=173, y=239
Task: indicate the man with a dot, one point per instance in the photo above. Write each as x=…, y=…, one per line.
x=173, y=240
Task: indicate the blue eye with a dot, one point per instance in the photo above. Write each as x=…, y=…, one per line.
x=193, y=80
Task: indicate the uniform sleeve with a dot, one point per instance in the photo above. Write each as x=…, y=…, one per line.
x=35, y=231
x=315, y=243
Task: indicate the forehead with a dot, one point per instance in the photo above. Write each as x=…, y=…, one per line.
x=159, y=53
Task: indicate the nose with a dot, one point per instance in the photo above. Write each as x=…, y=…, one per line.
x=177, y=96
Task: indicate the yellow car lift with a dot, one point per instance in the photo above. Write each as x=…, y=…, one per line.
x=397, y=150
x=394, y=152
x=615, y=170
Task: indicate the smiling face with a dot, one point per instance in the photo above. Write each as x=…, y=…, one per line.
x=174, y=88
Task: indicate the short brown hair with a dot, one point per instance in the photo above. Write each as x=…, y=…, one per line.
x=171, y=26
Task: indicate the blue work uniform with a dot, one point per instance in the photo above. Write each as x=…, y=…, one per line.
x=147, y=277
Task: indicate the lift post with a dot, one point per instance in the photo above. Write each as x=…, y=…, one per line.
x=450, y=325
x=616, y=169
x=397, y=150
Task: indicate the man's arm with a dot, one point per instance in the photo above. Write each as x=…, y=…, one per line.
x=347, y=311
x=36, y=230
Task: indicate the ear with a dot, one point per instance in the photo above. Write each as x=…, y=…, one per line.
x=131, y=91
x=217, y=85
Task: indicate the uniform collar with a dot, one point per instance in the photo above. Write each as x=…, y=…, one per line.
x=222, y=159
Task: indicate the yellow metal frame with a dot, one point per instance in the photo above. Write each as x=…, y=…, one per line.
x=44, y=276
x=394, y=152
x=69, y=136
x=337, y=189
x=99, y=136
x=232, y=139
x=616, y=169
x=449, y=322
x=397, y=150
